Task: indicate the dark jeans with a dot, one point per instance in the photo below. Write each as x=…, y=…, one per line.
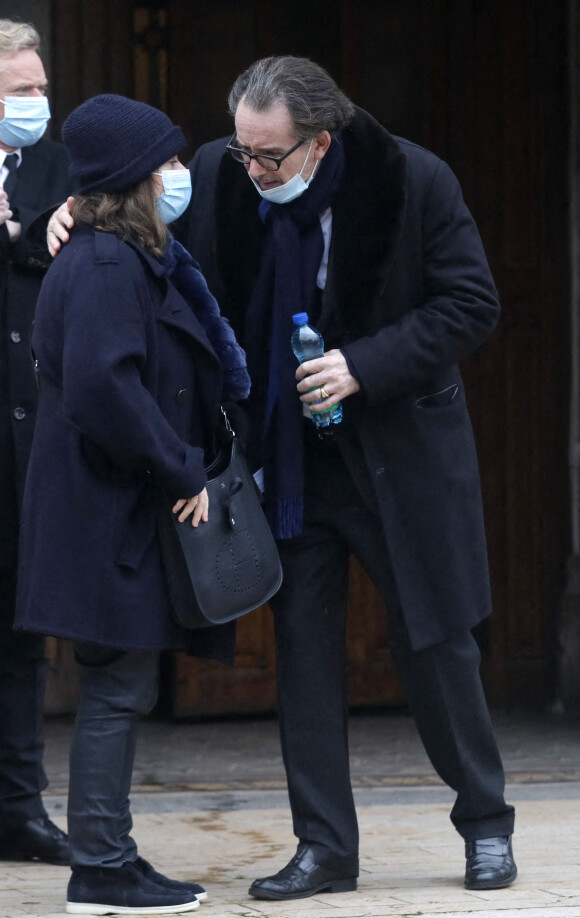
x=442, y=682
x=22, y=684
x=102, y=756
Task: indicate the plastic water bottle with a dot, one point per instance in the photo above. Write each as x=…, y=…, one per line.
x=308, y=344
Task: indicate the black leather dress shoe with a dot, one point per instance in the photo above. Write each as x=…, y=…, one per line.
x=490, y=863
x=35, y=840
x=303, y=877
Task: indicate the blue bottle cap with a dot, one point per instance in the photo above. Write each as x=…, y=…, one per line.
x=300, y=318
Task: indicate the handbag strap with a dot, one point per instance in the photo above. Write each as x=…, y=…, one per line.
x=227, y=423
x=235, y=485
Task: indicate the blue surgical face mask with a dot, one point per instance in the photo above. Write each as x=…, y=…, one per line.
x=290, y=190
x=25, y=120
x=176, y=194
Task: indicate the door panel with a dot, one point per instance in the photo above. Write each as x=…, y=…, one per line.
x=203, y=688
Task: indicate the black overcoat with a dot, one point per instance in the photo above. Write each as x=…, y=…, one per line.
x=42, y=181
x=129, y=398
x=408, y=295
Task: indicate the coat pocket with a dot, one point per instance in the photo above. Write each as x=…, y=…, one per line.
x=139, y=524
x=438, y=399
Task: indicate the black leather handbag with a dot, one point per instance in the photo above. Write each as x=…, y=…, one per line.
x=230, y=565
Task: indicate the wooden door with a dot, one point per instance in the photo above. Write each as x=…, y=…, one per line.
x=227, y=37
x=496, y=106
x=484, y=85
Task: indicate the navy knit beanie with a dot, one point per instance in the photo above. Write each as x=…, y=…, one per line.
x=115, y=142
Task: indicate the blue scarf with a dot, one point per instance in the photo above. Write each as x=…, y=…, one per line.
x=184, y=274
x=286, y=284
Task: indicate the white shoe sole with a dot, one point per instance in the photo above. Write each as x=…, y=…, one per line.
x=90, y=908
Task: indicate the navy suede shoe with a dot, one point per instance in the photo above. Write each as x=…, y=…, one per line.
x=149, y=871
x=123, y=891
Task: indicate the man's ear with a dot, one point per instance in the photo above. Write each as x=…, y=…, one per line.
x=321, y=144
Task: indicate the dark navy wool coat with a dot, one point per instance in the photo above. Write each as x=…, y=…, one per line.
x=129, y=397
x=408, y=295
x=42, y=180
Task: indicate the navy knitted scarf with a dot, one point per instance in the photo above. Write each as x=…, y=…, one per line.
x=184, y=273
x=286, y=284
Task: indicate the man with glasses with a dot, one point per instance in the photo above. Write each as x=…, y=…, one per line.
x=313, y=207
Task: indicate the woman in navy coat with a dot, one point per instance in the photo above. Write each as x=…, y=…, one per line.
x=131, y=373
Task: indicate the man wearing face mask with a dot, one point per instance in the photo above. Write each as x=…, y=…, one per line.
x=33, y=176
x=370, y=236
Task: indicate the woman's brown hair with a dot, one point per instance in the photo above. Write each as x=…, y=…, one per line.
x=130, y=214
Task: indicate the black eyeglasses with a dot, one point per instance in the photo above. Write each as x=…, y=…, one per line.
x=272, y=163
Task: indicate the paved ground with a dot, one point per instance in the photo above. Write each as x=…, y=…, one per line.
x=210, y=805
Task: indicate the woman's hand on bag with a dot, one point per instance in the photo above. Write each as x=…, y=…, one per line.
x=198, y=506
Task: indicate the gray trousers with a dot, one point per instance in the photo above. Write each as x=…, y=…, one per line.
x=102, y=756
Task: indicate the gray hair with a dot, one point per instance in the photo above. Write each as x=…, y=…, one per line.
x=17, y=36
x=313, y=99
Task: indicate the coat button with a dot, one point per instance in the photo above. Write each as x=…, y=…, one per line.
x=15, y=337
x=182, y=395
x=19, y=414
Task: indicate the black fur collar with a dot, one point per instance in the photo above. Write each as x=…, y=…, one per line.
x=366, y=226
